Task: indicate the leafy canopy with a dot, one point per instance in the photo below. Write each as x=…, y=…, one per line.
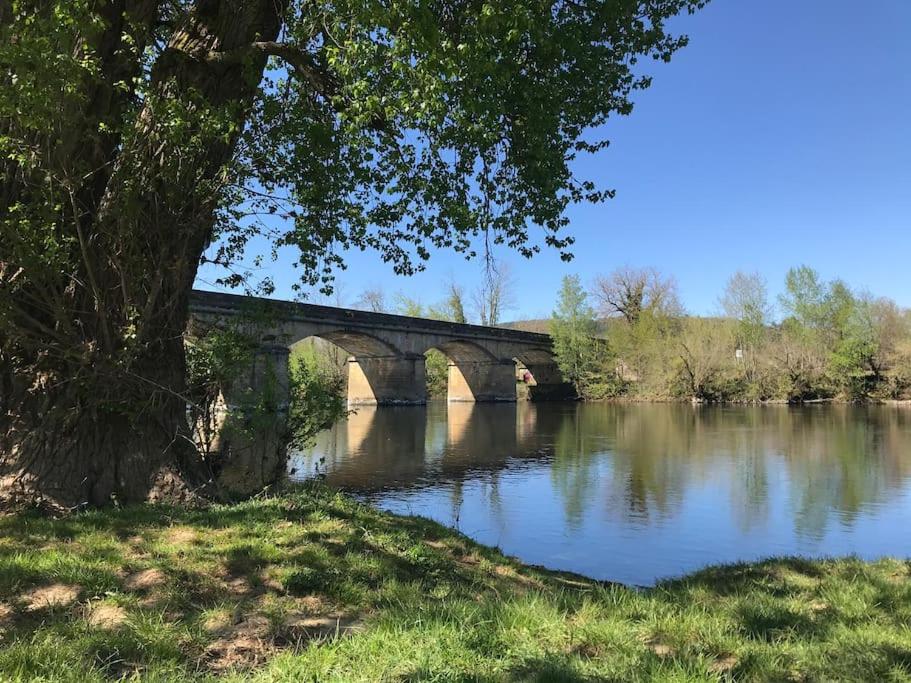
x=403, y=126
x=579, y=355
x=399, y=126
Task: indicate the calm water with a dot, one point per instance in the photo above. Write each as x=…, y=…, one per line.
x=634, y=493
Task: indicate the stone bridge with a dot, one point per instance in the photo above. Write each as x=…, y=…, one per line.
x=386, y=352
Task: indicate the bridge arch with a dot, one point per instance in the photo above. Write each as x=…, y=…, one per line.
x=540, y=375
x=475, y=373
x=461, y=350
x=535, y=356
x=354, y=343
x=375, y=372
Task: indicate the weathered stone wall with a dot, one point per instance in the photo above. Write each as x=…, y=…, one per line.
x=386, y=364
x=386, y=381
x=482, y=381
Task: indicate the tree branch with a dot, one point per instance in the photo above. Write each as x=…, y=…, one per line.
x=304, y=64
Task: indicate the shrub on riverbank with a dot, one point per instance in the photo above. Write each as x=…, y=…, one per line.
x=316, y=393
x=830, y=342
x=314, y=586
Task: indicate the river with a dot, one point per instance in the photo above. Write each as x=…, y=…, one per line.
x=635, y=492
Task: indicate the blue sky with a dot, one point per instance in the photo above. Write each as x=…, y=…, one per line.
x=781, y=135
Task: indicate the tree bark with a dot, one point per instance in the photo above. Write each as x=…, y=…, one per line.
x=81, y=443
x=103, y=417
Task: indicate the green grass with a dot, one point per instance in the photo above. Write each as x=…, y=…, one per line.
x=314, y=586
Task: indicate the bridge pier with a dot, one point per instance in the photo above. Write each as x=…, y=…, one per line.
x=547, y=383
x=477, y=381
x=391, y=380
x=250, y=426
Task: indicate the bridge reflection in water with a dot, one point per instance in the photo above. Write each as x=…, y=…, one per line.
x=635, y=492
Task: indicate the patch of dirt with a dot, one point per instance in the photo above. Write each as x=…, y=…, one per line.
x=55, y=595
x=312, y=604
x=145, y=579
x=723, y=664
x=508, y=572
x=245, y=641
x=106, y=617
x=154, y=599
x=181, y=535
x=136, y=547
x=242, y=645
x=470, y=560
x=238, y=586
x=659, y=648
x=6, y=617
x=271, y=583
x=218, y=622
x=323, y=628
x=235, y=583
x=587, y=650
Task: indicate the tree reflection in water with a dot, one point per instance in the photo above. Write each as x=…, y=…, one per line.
x=630, y=482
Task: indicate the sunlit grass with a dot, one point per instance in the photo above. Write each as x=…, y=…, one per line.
x=314, y=586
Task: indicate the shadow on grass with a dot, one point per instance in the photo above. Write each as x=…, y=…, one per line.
x=314, y=552
x=546, y=669
x=741, y=578
x=772, y=622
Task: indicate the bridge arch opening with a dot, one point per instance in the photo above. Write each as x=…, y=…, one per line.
x=469, y=373
x=530, y=361
x=539, y=377
x=372, y=371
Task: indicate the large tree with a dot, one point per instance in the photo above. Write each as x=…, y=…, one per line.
x=579, y=354
x=632, y=293
x=496, y=293
x=140, y=137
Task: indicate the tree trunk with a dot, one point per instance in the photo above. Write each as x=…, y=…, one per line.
x=93, y=372
x=93, y=442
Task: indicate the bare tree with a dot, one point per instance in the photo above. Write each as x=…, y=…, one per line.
x=630, y=292
x=337, y=296
x=704, y=353
x=799, y=362
x=496, y=293
x=372, y=299
x=745, y=300
x=452, y=307
x=890, y=330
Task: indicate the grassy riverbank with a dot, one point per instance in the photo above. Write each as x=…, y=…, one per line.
x=313, y=586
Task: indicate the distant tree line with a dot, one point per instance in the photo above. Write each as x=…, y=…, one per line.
x=630, y=336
